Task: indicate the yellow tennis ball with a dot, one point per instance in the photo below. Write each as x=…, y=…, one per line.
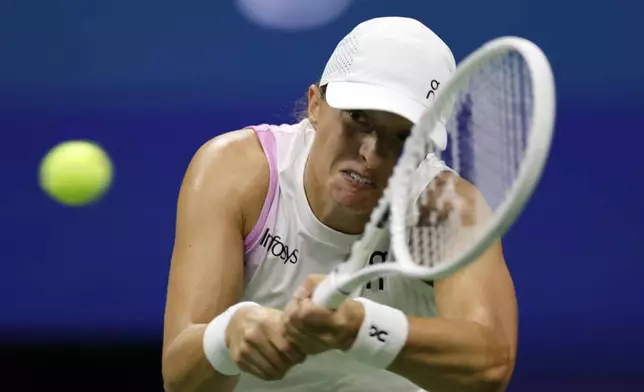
x=76, y=172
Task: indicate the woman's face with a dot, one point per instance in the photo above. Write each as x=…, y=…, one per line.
x=354, y=152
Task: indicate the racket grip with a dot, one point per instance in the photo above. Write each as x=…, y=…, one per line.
x=327, y=293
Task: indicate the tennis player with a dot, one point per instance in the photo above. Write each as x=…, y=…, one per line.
x=265, y=211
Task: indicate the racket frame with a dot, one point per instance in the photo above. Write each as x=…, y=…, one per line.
x=530, y=172
x=390, y=214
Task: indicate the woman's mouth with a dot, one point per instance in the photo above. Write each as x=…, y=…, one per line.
x=358, y=180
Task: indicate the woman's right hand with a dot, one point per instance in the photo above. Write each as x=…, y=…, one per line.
x=256, y=341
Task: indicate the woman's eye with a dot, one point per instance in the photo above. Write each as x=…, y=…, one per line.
x=403, y=136
x=357, y=116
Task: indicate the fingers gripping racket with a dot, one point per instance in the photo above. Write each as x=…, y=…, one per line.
x=498, y=109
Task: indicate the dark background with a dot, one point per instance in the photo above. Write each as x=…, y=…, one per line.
x=82, y=290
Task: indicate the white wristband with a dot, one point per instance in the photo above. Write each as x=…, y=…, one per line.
x=382, y=335
x=214, y=341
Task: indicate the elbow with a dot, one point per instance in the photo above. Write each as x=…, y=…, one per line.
x=173, y=374
x=170, y=385
x=495, y=379
x=496, y=376
x=172, y=381
x=170, y=378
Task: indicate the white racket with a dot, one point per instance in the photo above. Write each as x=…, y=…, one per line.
x=498, y=109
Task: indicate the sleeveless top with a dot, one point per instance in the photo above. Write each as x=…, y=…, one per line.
x=289, y=243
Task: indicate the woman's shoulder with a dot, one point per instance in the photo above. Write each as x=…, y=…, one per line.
x=231, y=168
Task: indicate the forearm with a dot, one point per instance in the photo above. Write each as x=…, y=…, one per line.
x=186, y=369
x=454, y=355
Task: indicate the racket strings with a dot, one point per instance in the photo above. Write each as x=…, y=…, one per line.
x=487, y=126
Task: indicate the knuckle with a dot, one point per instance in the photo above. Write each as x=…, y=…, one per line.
x=265, y=377
x=274, y=377
x=253, y=335
x=294, y=322
x=299, y=356
x=237, y=358
x=304, y=313
x=243, y=352
x=284, y=347
x=289, y=314
x=243, y=366
x=255, y=329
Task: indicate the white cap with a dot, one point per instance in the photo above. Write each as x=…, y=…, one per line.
x=393, y=64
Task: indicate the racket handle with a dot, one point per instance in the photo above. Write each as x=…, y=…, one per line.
x=327, y=293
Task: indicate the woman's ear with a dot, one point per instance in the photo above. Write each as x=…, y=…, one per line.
x=315, y=101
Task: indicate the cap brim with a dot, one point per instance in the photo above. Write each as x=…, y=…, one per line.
x=350, y=95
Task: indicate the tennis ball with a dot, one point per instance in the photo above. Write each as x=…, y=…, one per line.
x=76, y=172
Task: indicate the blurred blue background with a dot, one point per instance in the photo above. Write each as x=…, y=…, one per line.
x=152, y=80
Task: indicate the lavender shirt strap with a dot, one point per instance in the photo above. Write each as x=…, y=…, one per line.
x=267, y=140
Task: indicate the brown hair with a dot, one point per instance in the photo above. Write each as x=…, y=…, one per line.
x=301, y=109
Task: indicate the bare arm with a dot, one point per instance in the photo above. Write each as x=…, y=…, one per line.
x=471, y=346
x=220, y=197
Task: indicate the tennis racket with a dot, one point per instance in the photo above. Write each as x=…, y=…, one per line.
x=499, y=110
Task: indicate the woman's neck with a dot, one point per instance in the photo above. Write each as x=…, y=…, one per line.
x=326, y=210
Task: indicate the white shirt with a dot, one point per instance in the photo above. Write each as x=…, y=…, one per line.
x=289, y=243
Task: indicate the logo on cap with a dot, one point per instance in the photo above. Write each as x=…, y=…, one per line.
x=433, y=86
